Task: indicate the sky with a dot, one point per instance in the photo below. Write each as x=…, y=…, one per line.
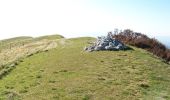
x=74, y=18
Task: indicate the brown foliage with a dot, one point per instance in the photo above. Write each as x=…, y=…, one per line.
x=142, y=41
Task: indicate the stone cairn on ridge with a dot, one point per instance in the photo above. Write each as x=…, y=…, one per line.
x=106, y=43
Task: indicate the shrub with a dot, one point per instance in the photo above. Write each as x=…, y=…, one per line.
x=142, y=41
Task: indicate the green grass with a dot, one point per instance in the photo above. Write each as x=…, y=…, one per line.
x=12, y=51
x=50, y=37
x=69, y=73
x=18, y=41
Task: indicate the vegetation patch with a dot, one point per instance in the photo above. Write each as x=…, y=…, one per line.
x=142, y=41
x=14, y=50
x=68, y=73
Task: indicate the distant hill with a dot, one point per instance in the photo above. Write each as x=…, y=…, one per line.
x=59, y=69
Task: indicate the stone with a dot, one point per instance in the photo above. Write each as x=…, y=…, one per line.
x=106, y=43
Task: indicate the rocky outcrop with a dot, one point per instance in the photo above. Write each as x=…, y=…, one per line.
x=106, y=43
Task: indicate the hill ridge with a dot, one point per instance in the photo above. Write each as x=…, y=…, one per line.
x=67, y=72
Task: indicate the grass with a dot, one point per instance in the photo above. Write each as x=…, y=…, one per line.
x=69, y=73
x=50, y=37
x=15, y=49
x=9, y=43
x=19, y=41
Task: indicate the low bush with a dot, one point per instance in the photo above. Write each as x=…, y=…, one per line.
x=143, y=41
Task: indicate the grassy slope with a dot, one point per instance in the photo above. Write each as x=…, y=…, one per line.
x=50, y=37
x=4, y=44
x=14, y=50
x=17, y=41
x=69, y=73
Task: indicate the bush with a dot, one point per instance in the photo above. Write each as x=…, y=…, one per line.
x=142, y=41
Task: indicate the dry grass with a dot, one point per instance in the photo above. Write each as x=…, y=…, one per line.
x=69, y=73
x=10, y=55
x=21, y=48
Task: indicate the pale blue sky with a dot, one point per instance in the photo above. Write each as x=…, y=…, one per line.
x=73, y=18
x=148, y=16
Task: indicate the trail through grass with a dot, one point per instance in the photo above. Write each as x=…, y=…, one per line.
x=69, y=73
x=12, y=51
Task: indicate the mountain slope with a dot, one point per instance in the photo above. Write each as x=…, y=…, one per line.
x=69, y=73
x=17, y=41
x=12, y=51
x=7, y=43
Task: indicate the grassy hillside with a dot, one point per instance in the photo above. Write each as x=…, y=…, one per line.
x=50, y=37
x=7, y=43
x=14, y=50
x=69, y=73
x=17, y=41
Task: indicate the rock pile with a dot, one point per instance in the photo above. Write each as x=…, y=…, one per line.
x=106, y=43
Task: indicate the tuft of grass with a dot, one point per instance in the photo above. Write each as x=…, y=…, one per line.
x=52, y=81
x=38, y=76
x=23, y=91
x=144, y=85
x=63, y=70
x=86, y=97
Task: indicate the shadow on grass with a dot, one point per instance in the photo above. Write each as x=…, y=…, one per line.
x=128, y=48
x=125, y=49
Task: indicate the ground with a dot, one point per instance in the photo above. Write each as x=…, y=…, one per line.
x=69, y=73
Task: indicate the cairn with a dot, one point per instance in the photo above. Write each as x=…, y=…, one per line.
x=106, y=43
